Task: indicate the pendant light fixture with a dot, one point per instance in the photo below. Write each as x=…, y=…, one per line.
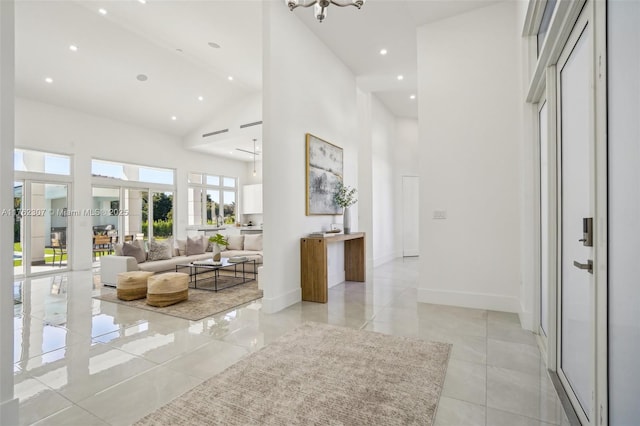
x=320, y=6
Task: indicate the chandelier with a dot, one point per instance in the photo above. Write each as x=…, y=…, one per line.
x=320, y=9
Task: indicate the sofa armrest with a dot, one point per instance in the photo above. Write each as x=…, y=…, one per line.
x=111, y=266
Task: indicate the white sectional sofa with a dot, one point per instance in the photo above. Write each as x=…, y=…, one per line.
x=111, y=266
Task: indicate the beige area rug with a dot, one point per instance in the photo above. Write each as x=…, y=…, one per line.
x=201, y=303
x=320, y=374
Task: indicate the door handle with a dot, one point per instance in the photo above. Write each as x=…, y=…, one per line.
x=588, y=266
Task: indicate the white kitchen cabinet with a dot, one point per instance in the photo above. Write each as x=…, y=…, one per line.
x=252, y=199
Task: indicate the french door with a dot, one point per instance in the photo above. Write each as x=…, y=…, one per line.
x=41, y=227
x=576, y=362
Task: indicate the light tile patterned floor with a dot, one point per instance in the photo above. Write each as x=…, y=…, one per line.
x=80, y=361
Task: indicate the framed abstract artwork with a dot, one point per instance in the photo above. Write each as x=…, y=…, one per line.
x=324, y=171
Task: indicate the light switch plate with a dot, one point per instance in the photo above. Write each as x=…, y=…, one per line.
x=439, y=214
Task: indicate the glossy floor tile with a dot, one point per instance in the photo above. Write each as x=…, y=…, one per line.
x=81, y=361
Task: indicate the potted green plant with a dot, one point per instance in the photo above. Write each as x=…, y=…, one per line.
x=218, y=243
x=345, y=197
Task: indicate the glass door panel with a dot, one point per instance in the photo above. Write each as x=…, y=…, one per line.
x=135, y=203
x=18, y=229
x=577, y=361
x=162, y=215
x=48, y=220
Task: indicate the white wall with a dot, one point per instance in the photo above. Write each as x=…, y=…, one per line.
x=306, y=90
x=8, y=404
x=41, y=126
x=386, y=200
x=245, y=110
x=470, y=131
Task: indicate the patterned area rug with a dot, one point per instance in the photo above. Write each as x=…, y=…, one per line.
x=320, y=374
x=201, y=303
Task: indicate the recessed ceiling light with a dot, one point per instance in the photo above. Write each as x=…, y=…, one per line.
x=201, y=98
x=230, y=78
x=48, y=80
x=142, y=1
x=383, y=52
x=412, y=97
x=400, y=77
x=231, y=152
x=102, y=11
x=142, y=77
x=174, y=118
x=73, y=48
x=214, y=45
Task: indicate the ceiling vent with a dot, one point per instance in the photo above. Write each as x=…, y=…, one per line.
x=255, y=123
x=217, y=132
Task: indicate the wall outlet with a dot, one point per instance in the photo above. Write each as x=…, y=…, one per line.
x=439, y=214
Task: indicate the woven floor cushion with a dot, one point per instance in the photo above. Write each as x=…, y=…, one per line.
x=132, y=285
x=167, y=289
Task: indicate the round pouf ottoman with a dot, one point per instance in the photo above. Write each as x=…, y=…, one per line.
x=167, y=289
x=132, y=285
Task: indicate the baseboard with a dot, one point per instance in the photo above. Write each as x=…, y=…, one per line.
x=383, y=259
x=272, y=305
x=9, y=412
x=492, y=302
x=526, y=319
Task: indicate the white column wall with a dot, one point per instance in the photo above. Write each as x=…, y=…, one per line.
x=46, y=127
x=470, y=131
x=365, y=175
x=306, y=89
x=8, y=404
x=386, y=200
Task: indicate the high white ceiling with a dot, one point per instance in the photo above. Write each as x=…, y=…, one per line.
x=168, y=41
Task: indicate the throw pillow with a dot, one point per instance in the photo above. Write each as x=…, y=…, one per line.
x=118, y=249
x=181, y=248
x=196, y=245
x=135, y=251
x=236, y=242
x=160, y=250
x=253, y=242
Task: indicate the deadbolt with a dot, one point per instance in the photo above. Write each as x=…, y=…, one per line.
x=587, y=232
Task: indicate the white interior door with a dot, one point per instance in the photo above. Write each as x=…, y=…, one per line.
x=410, y=210
x=576, y=334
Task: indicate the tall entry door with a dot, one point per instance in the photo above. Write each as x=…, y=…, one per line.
x=576, y=191
x=410, y=216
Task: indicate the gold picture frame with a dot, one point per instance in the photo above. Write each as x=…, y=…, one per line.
x=324, y=167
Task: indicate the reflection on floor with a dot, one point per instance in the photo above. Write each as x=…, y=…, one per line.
x=80, y=361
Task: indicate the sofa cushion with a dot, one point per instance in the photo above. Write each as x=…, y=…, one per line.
x=135, y=251
x=253, y=242
x=235, y=242
x=181, y=248
x=249, y=254
x=196, y=245
x=160, y=250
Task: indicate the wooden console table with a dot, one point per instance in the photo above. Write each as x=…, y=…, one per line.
x=313, y=260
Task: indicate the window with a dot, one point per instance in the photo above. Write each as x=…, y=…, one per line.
x=206, y=198
x=545, y=22
x=41, y=162
x=142, y=198
x=132, y=172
